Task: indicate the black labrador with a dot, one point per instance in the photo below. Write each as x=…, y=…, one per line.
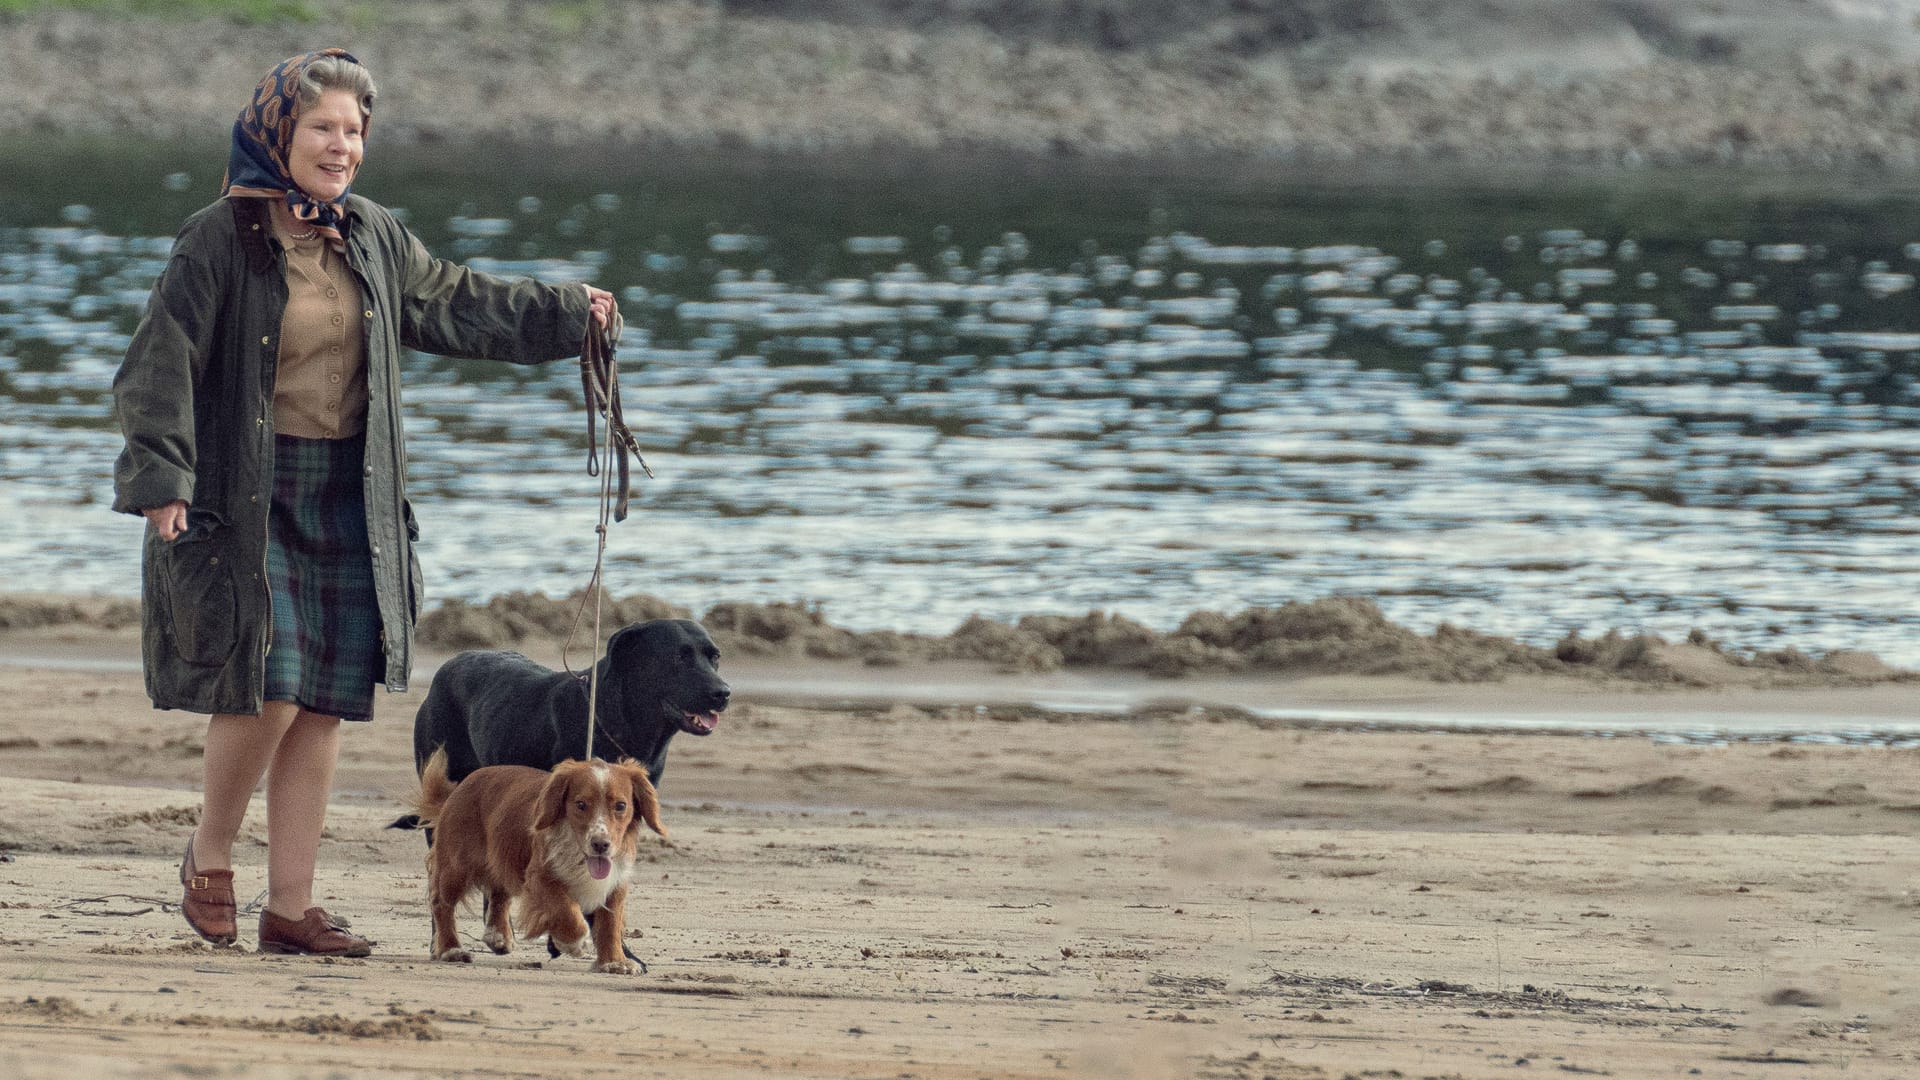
x=658, y=678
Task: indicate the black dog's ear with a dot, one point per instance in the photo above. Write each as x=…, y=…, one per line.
x=623, y=639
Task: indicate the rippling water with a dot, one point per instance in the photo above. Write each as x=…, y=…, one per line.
x=910, y=394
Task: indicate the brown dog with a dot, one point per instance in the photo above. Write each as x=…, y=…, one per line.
x=562, y=842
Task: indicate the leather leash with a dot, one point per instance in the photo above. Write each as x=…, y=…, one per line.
x=600, y=384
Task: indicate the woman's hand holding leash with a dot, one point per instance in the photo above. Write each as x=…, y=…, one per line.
x=602, y=306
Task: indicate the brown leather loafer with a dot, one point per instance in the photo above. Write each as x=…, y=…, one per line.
x=208, y=900
x=316, y=934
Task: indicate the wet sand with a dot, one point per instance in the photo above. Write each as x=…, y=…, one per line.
x=932, y=884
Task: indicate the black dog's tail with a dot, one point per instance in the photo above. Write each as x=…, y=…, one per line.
x=430, y=799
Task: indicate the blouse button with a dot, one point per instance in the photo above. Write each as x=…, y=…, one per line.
x=331, y=293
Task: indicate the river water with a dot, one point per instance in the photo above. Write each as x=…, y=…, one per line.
x=913, y=391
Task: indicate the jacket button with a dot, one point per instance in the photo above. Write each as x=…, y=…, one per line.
x=367, y=471
x=376, y=551
x=369, y=314
x=253, y=498
x=264, y=340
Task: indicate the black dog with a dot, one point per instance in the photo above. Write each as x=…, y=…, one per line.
x=500, y=708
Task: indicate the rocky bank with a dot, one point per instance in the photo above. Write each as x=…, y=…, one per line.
x=1794, y=83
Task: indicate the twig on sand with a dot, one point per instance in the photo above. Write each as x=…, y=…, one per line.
x=78, y=904
x=1186, y=982
x=1441, y=990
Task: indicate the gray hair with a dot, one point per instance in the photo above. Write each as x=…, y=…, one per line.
x=336, y=73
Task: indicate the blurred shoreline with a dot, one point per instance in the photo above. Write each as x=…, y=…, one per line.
x=1339, y=652
x=1497, y=83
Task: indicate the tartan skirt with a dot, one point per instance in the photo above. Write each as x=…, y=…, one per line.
x=325, y=651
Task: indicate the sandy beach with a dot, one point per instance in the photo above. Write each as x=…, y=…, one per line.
x=922, y=877
x=1299, y=843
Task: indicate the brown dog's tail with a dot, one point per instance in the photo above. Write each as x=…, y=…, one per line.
x=434, y=791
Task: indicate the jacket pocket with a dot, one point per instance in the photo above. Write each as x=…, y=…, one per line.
x=201, y=602
x=416, y=581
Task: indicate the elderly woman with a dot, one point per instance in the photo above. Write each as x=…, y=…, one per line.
x=260, y=401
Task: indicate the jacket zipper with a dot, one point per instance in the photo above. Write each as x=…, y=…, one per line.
x=400, y=557
x=266, y=571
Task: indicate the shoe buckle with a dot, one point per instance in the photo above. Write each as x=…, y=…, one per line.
x=199, y=882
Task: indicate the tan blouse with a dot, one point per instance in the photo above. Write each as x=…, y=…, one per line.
x=320, y=386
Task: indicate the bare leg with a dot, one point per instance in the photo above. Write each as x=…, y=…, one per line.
x=298, y=783
x=238, y=751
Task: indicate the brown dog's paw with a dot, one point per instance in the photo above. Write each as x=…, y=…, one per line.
x=500, y=943
x=455, y=955
x=617, y=967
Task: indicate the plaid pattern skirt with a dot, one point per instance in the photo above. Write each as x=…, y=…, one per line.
x=325, y=653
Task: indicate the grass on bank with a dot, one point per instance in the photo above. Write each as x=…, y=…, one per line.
x=244, y=11
x=564, y=18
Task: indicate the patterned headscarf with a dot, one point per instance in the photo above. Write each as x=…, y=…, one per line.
x=257, y=164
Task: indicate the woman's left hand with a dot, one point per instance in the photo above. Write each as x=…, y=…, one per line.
x=600, y=302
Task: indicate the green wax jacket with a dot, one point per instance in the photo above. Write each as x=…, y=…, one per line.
x=194, y=399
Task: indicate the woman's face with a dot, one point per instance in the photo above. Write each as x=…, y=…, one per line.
x=327, y=146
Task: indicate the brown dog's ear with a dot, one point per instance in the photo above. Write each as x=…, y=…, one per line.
x=553, y=797
x=646, y=802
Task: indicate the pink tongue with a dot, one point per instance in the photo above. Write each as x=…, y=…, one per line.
x=599, y=867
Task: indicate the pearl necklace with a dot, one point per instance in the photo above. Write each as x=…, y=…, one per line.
x=308, y=235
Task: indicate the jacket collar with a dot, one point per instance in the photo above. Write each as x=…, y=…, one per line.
x=252, y=220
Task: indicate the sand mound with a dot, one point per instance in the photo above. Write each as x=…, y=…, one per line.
x=518, y=618
x=33, y=611
x=1333, y=635
x=1338, y=635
